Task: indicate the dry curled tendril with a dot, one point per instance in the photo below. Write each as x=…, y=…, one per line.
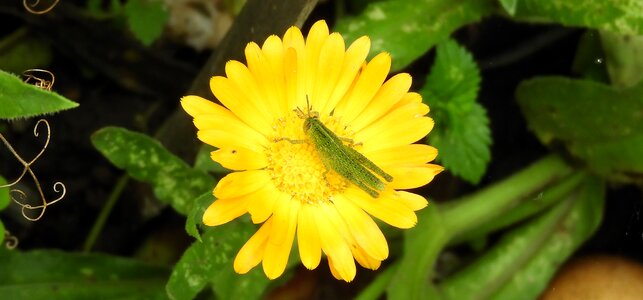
x=34, y=9
x=40, y=78
x=20, y=197
x=10, y=241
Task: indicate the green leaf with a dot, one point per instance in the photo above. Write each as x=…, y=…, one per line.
x=145, y=159
x=599, y=124
x=195, y=216
x=146, y=19
x=461, y=133
x=2, y=233
x=21, y=100
x=509, y=6
x=521, y=264
x=4, y=194
x=623, y=16
x=624, y=58
x=204, y=162
x=407, y=29
x=210, y=261
x=53, y=274
x=589, y=61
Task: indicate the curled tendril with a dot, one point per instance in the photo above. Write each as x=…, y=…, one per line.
x=10, y=241
x=20, y=197
x=31, y=7
x=35, y=77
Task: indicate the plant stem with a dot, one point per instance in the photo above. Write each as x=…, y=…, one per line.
x=104, y=213
x=472, y=211
x=377, y=287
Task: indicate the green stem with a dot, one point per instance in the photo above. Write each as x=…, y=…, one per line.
x=375, y=289
x=472, y=211
x=104, y=213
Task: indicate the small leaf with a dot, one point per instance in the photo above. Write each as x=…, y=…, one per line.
x=145, y=159
x=625, y=16
x=53, y=274
x=624, y=58
x=509, y=6
x=599, y=124
x=461, y=134
x=21, y=100
x=210, y=261
x=146, y=19
x=408, y=29
x=195, y=215
x=204, y=162
x=521, y=264
x=4, y=194
x=589, y=61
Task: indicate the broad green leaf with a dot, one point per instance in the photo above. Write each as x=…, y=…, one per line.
x=53, y=274
x=20, y=51
x=210, y=262
x=521, y=264
x=461, y=133
x=407, y=29
x=146, y=19
x=623, y=16
x=624, y=58
x=195, y=215
x=145, y=159
x=589, y=61
x=21, y=100
x=599, y=124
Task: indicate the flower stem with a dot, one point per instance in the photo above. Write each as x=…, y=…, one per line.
x=472, y=211
x=104, y=213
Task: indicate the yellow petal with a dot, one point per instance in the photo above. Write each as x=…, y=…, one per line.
x=237, y=97
x=353, y=61
x=413, y=177
x=413, y=154
x=239, y=159
x=222, y=211
x=308, y=238
x=333, y=242
x=363, y=229
x=252, y=251
x=314, y=40
x=271, y=90
x=367, y=85
x=384, y=208
x=365, y=260
x=410, y=97
x=294, y=89
x=328, y=67
x=240, y=183
x=263, y=204
x=195, y=105
x=280, y=241
x=412, y=201
x=388, y=95
x=403, y=126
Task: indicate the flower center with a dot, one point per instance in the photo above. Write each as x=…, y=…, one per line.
x=295, y=165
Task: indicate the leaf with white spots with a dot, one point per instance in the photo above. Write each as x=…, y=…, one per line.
x=407, y=29
x=210, y=262
x=54, y=274
x=145, y=159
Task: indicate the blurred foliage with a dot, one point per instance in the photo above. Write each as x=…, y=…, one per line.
x=542, y=213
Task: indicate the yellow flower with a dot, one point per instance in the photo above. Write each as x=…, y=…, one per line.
x=284, y=184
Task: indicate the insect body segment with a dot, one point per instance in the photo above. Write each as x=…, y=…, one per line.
x=344, y=160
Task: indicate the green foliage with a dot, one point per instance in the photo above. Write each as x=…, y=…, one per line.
x=195, y=215
x=4, y=202
x=624, y=58
x=20, y=100
x=204, y=162
x=210, y=262
x=54, y=274
x=521, y=264
x=146, y=19
x=509, y=6
x=589, y=61
x=599, y=124
x=625, y=16
x=145, y=159
x=20, y=51
x=408, y=29
x=461, y=133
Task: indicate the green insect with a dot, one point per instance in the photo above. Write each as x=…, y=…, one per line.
x=342, y=159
